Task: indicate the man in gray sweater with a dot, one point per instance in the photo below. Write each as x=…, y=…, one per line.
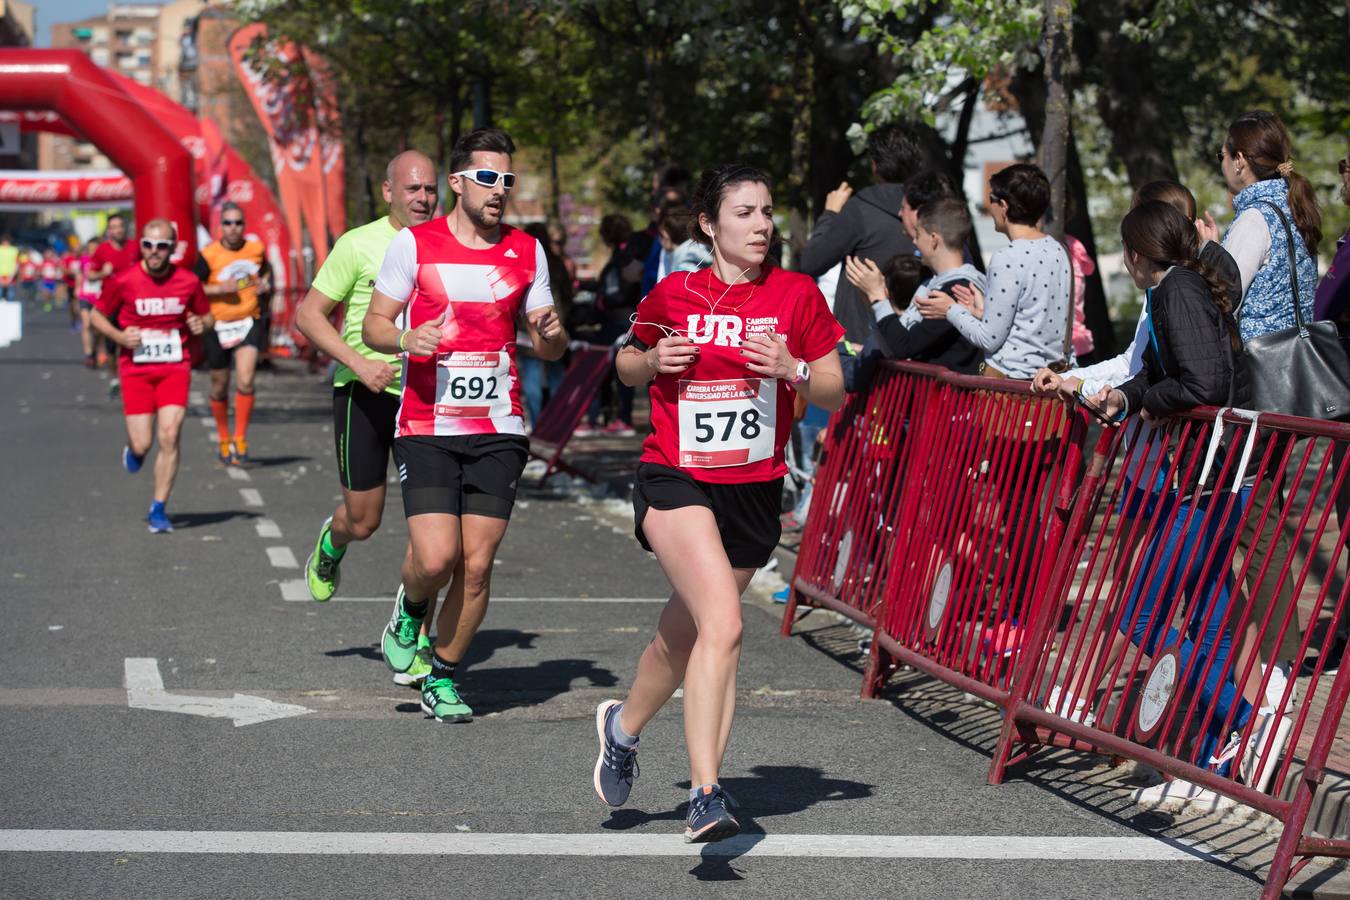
x=865, y=224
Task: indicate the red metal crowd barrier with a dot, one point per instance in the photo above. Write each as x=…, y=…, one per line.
x=559, y=419
x=1214, y=568
x=850, y=530
x=1176, y=604
x=986, y=502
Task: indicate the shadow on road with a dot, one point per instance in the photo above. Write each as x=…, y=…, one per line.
x=198, y=520
x=265, y=461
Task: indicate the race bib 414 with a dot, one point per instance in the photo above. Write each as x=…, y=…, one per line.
x=158, y=347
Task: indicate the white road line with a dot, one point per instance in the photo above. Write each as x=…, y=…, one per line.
x=282, y=558
x=195, y=398
x=296, y=590
x=251, y=496
x=237, y=473
x=266, y=528
x=207, y=422
x=857, y=846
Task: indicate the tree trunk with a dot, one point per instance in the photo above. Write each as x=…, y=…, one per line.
x=554, y=184
x=803, y=98
x=1029, y=89
x=956, y=166
x=1128, y=100
x=1057, y=52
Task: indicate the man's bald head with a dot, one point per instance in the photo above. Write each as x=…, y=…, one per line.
x=410, y=188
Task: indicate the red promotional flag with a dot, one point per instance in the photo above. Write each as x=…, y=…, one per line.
x=330, y=140
x=293, y=137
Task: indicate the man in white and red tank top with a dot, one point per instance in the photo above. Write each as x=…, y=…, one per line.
x=448, y=297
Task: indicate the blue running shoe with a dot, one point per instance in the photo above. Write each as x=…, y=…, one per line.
x=130, y=461
x=708, y=818
x=616, y=767
x=159, y=519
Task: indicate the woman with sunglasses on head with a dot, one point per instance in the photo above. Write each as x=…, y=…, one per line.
x=156, y=306
x=725, y=351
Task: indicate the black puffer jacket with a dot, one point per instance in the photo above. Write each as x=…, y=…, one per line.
x=1191, y=359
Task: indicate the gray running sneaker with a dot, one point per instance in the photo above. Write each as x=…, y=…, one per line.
x=708, y=818
x=617, y=766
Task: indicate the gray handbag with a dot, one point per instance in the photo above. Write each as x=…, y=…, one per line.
x=1299, y=371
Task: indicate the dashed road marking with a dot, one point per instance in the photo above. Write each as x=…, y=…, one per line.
x=282, y=558
x=251, y=496
x=266, y=528
x=600, y=844
x=237, y=473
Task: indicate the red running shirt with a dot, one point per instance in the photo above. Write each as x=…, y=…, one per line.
x=158, y=306
x=470, y=386
x=128, y=256
x=717, y=420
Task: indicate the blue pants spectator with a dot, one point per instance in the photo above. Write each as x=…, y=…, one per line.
x=1187, y=544
x=532, y=371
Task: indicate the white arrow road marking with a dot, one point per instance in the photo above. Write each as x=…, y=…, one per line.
x=145, y=690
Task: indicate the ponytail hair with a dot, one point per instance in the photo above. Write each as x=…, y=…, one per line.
x=1264, y=143
x=1159, y=232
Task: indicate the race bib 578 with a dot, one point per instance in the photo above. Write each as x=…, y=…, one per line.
x=727, y=423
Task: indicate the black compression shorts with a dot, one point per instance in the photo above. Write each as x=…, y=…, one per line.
x=471, y=474
x=363, y=426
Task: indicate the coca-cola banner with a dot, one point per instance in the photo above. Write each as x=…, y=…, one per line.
x=25, y=188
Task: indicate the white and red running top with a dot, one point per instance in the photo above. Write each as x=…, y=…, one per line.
x=717, y=420
x=470, y=385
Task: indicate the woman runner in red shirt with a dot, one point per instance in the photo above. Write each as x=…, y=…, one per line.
x=724, y=350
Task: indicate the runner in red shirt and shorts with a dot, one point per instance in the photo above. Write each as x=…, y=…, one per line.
x=725, y=351
x=458, y=286
x=157, y=305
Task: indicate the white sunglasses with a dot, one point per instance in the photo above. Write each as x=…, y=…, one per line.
x=489, y=177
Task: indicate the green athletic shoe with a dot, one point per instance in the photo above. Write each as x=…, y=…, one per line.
x=421, y=664
x=441, y=701
x=322, y=572
x=399, y=641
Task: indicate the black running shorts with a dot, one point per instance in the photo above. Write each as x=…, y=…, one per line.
x=363, y=426
x=217, y=357
x=471, y=474
x=746, y=514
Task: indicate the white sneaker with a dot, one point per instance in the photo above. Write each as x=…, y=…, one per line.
x=1279, y=679
x=1259, y=761
x=1062, y=702
x=1179, y=795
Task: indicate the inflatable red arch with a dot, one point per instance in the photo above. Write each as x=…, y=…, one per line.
x=68, y=83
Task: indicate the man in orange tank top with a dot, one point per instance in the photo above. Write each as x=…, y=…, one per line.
x=449, y=296
x=234, y=271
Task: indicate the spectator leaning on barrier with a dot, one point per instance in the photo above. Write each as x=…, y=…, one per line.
x=1138, y=501
x=1194, y=357
x=865, y=224
x=1021, y=321
x=942, y=228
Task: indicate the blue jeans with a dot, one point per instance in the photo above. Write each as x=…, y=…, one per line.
x=531, y=370
x=808, y=429
x=1206, y=640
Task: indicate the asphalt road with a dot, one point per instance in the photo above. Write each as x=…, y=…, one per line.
x=362, y=795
